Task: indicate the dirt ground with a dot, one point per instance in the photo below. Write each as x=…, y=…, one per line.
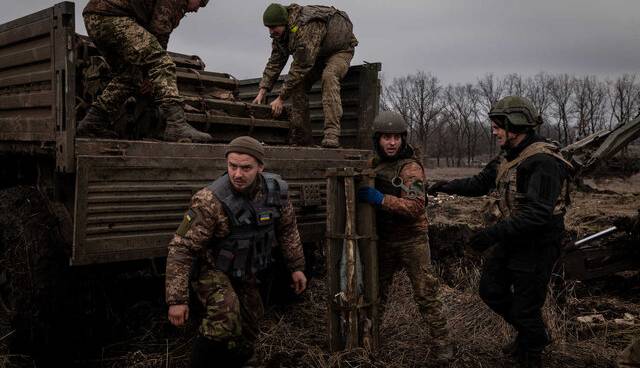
x=590, y=321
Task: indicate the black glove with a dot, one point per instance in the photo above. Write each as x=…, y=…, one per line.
x=481, y=241
x=438, y=186
x=628, y=224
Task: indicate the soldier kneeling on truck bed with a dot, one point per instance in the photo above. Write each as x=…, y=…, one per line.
x=133, y=35
x=230, y=230
x=524, y=223
x=322, y=43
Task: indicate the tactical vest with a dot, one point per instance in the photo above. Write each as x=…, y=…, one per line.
x=339, y=36
x=501, y=203
x=387, y=171
x=247, y=248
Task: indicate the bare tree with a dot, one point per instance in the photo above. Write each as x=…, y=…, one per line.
x=417, y=98
x=490, y=91
x=450, y=122
x=396, y=97
x=462, y=108
x=624, y=98
x=424, y=105
x=561, y=92
x=589, y=105
x=513, y=85
x=537, y=89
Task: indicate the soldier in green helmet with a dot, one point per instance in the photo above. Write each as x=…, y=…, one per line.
x=524, y=217
x=321, y=41
x=133, y=35
x=400, y=201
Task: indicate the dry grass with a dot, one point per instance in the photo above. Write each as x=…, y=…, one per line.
x=295, y=336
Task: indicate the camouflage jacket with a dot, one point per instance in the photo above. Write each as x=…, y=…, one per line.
x=313, y=33
x=402, y=215
x=159, y=17
x=210, y=223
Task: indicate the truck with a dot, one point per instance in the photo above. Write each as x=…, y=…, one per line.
x=115, y=202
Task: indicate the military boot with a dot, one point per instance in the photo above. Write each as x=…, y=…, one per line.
x=203, y=352
x=442, y=353
x=529, y=359
x=511, y=349
x=177, y=129
x=330, y=141
x=95, y=125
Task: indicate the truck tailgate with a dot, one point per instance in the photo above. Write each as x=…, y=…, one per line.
x=131, y=195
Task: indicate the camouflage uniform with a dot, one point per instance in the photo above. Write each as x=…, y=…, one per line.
x=133, y=37
x=630, y=356
x=322, y=43
x=232, y=306
x=403, y=240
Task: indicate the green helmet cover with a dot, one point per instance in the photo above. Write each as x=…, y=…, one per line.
x=517, y=113
x=275, y=15
x=389, y=122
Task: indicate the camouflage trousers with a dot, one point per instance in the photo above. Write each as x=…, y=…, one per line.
x=630, y=356
x=330, y=71
x=134, y=54
x=414, y=256
x=232, y=309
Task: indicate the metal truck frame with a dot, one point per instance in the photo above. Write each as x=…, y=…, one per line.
x=124, y=198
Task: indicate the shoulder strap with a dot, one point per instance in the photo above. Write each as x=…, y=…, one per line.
x=533, y=149
x=277, y=189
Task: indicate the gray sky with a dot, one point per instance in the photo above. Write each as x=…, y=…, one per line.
x=457, y=40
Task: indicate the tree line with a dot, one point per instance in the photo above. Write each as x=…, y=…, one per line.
x=450, y=124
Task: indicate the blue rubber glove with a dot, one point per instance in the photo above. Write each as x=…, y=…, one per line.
x=371, y=195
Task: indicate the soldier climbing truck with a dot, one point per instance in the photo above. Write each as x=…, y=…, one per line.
x=90, y=203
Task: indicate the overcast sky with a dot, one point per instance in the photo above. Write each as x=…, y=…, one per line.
x=457, y=40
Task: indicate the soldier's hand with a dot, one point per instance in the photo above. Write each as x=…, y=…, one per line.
x=260, y=97
x=299, y=282
x=438, y=186
x=178, y=314
x=481, y=241
x=277, y=106
x=370, y=195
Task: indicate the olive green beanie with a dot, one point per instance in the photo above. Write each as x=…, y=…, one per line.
x=275, y=15
x=246, y=145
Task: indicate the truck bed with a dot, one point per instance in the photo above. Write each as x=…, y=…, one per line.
x=130, y=196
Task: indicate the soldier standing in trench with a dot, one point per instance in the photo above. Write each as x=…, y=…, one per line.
x=402, y=225
x=230, y=229
x=322, y=43
x=133, y=36
x=525, y=223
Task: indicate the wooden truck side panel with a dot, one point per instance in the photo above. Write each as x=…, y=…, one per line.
x=37, y=82
x=131, y=195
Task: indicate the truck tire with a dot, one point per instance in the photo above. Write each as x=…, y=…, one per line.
x=32, y=268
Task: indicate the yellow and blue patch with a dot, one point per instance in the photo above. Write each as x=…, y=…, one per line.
x=188, y=219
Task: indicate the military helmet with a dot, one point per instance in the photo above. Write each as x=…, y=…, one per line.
x=389, y=122
x=275, y=15
x=515, y=113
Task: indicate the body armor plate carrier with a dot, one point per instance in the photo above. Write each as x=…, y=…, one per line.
x=247, y=248
x=502, y=200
